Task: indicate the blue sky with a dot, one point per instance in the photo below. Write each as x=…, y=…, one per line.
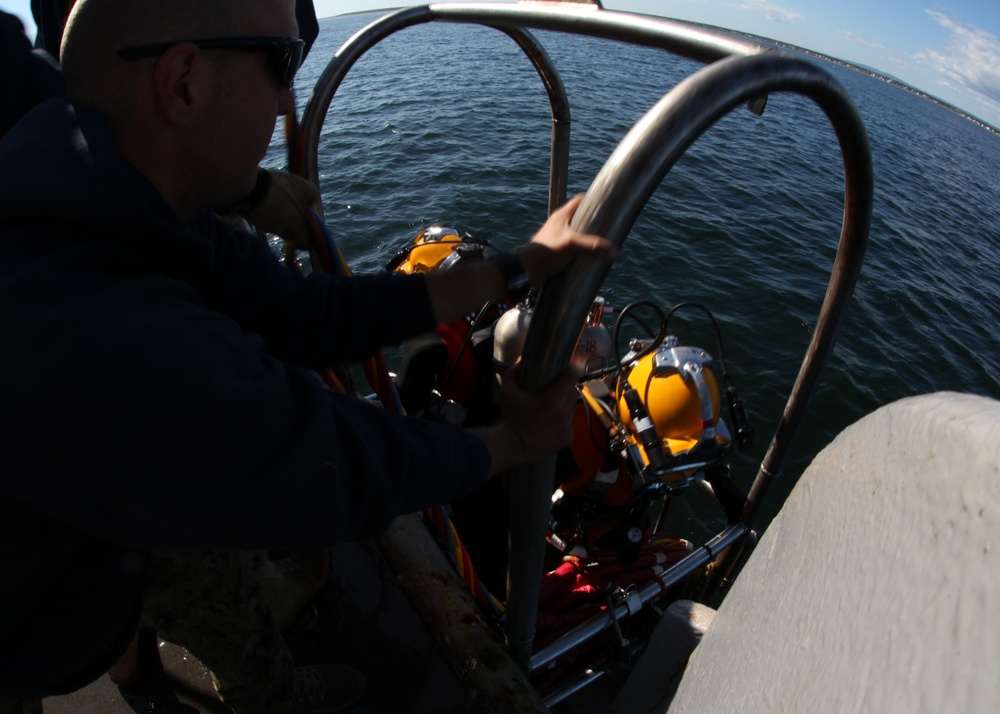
x=949, y=49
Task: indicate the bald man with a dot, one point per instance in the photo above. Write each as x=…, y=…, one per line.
x=158, y=369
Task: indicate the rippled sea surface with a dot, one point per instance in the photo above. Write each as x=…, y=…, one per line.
x=449, y=124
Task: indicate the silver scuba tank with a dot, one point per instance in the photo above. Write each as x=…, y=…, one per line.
x=509, y=334
x=593, y=350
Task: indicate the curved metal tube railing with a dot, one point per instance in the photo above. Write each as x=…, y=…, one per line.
x=696, y=42
x=332, y=77
x=561, y=122
x=613, y=203
x=618, y=194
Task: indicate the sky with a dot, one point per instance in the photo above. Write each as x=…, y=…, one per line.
x=949, y=49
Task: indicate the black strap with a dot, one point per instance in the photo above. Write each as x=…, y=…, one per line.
x=514, y=274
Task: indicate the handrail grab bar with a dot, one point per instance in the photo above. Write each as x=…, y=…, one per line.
x=612, y=205
x=626, y=182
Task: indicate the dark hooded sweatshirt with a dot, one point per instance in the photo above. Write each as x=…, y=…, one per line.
x=158, y=392
x=27, y=76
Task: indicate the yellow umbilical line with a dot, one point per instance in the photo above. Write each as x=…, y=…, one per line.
x=459, y=558
x=333, y=261
x=332, y=382
x=376, y=370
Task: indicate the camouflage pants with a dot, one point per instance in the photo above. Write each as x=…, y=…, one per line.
x=211, y=603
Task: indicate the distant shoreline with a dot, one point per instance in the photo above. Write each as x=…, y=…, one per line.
x=871, y=73
x=383, y=11
x=875, y=74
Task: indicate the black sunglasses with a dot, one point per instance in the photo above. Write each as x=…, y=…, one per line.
x=284, y=54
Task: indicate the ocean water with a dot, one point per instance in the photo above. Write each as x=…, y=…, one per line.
x=449, y=124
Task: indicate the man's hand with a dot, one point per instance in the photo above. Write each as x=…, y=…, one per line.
x=556, y=244
x=283, y=208
x=466, y=288
x=532, y=425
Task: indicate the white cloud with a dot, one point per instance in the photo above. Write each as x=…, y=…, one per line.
x=772, y=12
x=971, y=57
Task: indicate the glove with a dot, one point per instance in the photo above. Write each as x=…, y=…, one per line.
x=279, y=203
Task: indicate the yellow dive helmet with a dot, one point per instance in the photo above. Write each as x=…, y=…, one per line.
x=679, y=392
x=434, y=248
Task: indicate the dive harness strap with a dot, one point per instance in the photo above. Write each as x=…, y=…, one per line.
x=514, y=274
x=254, y=198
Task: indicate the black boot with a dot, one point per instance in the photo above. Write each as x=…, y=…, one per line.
x=151, y=693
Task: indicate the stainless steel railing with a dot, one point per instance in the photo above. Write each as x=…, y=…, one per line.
x=743, y=71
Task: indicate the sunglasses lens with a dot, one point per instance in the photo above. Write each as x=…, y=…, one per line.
x=286, y=60
x=284, y=55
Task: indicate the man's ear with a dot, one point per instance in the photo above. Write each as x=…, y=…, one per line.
x=182, y=81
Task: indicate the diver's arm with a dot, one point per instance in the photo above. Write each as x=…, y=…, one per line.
x=454, y=293
x=533, y=425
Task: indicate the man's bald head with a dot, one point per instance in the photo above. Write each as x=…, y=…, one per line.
x=97, y=29
x=194, y=121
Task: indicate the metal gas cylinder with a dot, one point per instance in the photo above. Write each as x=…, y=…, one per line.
x=509, y=334
x=593, y=350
